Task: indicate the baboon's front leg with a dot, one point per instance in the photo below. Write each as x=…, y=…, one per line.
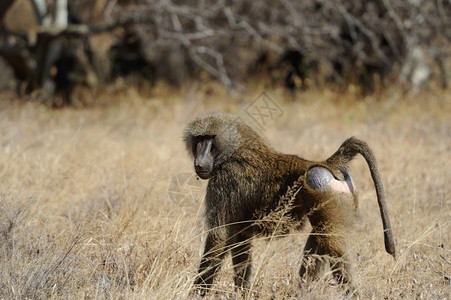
x=241, y=258
x=214, y=252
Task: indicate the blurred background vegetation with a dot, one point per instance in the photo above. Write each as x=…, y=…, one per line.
x=64, y=51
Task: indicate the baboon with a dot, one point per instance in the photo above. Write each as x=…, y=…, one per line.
x=248, y=179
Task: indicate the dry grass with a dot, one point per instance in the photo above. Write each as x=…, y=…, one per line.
x=85, y=211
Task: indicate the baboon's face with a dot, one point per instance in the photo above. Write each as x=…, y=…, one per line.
x=205, y=152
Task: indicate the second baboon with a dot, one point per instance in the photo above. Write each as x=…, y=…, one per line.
x=248, y=179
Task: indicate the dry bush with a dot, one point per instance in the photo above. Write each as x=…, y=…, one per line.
x=85, y=211
x=83, y=44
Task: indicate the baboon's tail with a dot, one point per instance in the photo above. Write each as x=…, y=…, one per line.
x=347, y=151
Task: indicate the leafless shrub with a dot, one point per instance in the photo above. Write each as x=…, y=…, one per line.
x=366, y=43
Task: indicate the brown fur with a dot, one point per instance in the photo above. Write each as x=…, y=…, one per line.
x=249, y=181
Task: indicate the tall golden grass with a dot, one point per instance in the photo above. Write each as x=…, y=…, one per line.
x=85, y=210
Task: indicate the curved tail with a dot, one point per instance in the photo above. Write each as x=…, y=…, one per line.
x=347, y=151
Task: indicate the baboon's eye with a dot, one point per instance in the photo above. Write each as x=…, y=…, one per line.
x=213, y=148
x=194, y=145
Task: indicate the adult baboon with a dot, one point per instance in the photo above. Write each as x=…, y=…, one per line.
x=248, y=179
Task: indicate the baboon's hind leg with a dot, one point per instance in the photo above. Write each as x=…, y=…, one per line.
x=326, y=248
x=312, y=265
x=332, y=216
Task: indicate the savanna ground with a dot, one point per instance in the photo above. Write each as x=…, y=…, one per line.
x=85, y=210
